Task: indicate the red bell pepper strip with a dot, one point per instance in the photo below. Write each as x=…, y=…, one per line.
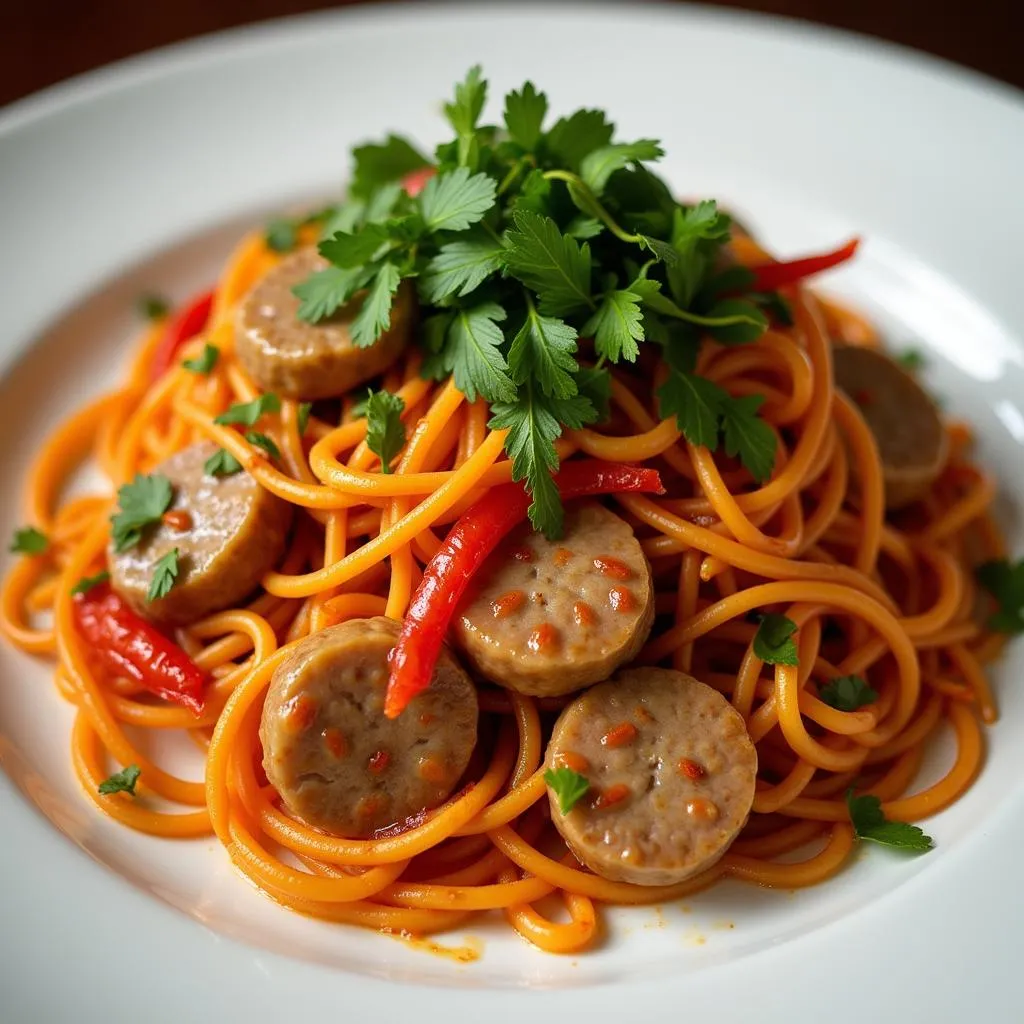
x=464, y=550
x=770, y=276
x=128, y=646
x=185, y=324
x=414, y=181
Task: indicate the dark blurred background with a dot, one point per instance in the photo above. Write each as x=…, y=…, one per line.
x=44, y=41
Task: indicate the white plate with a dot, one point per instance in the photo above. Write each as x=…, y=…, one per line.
x=140, y=176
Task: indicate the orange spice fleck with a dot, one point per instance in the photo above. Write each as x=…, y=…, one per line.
x=334, y=740
x=621, y=599
x=562, y=556
x=507, y=604
x=691, y=769
x=576, y=762
x=379, y=762
x=611, y=796
x=430, y=769
x=620, y=735
x=643, y=714
x=704, y=809
x=370, y=806
x=177, y=519
x=542, y=637
x=583, y=614
x=300, y=713
x=613, y=567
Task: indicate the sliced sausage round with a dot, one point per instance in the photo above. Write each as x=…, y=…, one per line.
x=549, y=617
x=671, y=771
x=297, y=359
x=328, y=749
x=912, y=441
x=229, y=531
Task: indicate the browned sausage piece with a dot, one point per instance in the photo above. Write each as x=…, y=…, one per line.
x=912, y=441
x=291, y=357
x=549, y=617
x=671, y=771
x=337, y=762
x=229, y=531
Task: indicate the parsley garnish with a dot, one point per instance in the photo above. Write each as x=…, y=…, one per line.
x=153, y=307
x=86, y=583
x=385, y=432
x=869, y=822
x=222, y=463
x=264, y=442
x=29, y=541
x=302, y=416
x=847, y=693
x=568, y=786
x=525, y=239
x=122, y=781
x=249, y=412
x=142, y=502
x=773, y=641
x=165, y=572
x=911, y=360
x=1005, y=582
x=281, y=235
x=205, y=362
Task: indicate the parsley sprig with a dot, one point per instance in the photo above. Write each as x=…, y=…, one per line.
x=529, y=237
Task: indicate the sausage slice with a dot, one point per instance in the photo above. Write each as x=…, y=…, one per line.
x=328, y=749
x=912, y=442
x=297, y=359
x=671, y=771
x=229, y=531
x=549, y=617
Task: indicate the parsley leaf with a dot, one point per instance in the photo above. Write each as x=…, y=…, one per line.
x=349, y=250
x=524, y=115
x=326, y=291
x=911, y=360
x=472, y=353
x=543, y=350
x=205, y=362
x=598, y=166
x=142, y=502
x=751, y=325
x=456, y=199
x=86, y=583
x=696, y=403
x=264, y=442
x=280, y=235
x=249, y=412
x=870, y=822
x=378, y=164
x=153, y=307
x=568, y=786
x=697, y=234
x=302, y=416
x=470, y=96
x=595, y=384
x=374, y=316
x=29, y=541
x=222, y=463
x=748, y=436
x=773, y=641
x=617, y=326
x=385, y=432
x=554, y=265
x=122, y=781
x=1005, y=582
x=459, y=267
x=847, y=693
x=573, y=138
x=165, y=572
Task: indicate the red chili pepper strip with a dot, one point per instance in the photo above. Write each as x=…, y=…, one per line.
x=127, y=645
x=769, y=276
x=469, y=542
x=185, y=325
x=414, y=181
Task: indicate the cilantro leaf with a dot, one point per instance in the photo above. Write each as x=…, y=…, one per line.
x=697, y=234
x=326, y=291
x=1005, y=582
x=142, y=502
x=459, y=267
x=121, y=782
x=847, y=693
x=86, y=583
x=773, y=641
x=264, y=442
x=616, y=326
x=752, y=325
x=748, y=436
x=554, y=265
x=912, y=360
x=381, y=163
x=29, y=541
x=870, y=822
x=470, y=96
x=524, y=115
x=165, y=572
x=280, y=235
x=598, y=166
x=568, y=786
x=472, y=353
x=455, y=200
x=572, y=138
x=153, y=307
x=249, y=412
x=374, y=316
x=385, y=432
x=222, y=463
x=205, y=362
x=696, y=403
x=544, y=350
x=302, y=416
